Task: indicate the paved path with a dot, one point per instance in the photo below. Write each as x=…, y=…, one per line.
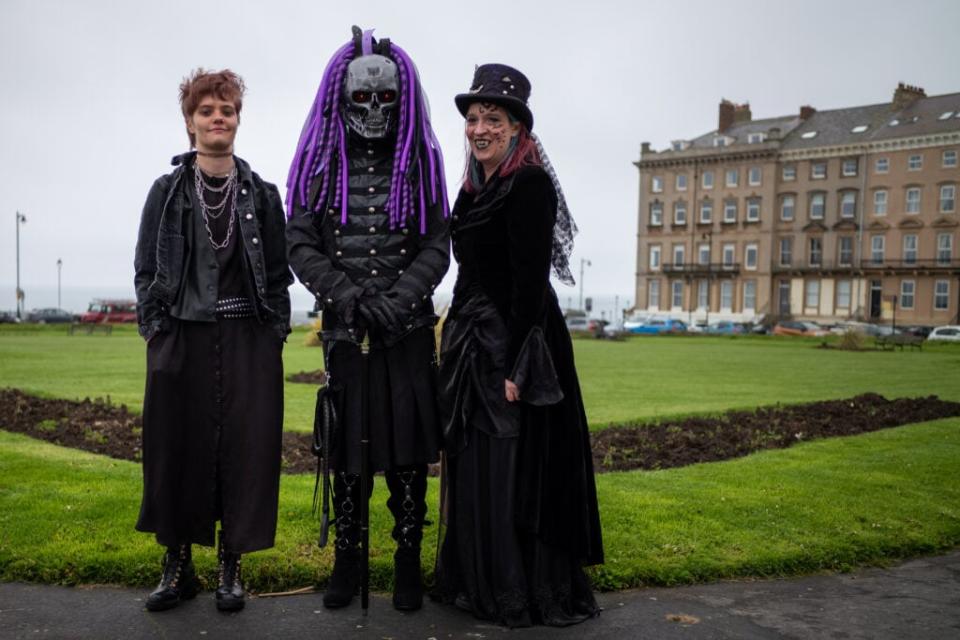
x=919, y=599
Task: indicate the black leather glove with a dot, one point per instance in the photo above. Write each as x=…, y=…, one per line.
x=381, y=310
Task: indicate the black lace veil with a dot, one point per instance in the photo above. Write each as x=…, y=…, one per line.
x=564, y=229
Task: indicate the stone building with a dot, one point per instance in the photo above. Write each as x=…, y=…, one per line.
x=822, y=215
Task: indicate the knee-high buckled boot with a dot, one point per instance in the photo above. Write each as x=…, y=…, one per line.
x=407, y=503
x=179, y=580
x=345, y=579
x=230, y=593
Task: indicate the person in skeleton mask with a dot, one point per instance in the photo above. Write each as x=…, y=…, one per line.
x=367, y=236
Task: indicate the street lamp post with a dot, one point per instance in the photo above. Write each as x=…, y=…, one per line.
x=583, y=261
x=893, y=324
x=59, y=268
x=21, y=219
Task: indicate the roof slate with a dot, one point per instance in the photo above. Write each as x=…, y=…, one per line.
x=835, y=126
x=741, y=130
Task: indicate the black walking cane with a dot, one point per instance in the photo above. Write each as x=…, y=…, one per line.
x=364, y=473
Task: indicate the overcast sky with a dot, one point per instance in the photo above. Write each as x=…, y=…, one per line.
x=89, y=114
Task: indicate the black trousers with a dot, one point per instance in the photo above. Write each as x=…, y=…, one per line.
x=212, y=431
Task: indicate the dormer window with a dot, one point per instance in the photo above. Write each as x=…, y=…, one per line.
x=755, y=138
x=679, y=145
x=722, y=141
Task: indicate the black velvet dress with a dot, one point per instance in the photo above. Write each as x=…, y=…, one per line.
x=521, y=508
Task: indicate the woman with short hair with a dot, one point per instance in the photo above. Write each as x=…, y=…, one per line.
x=212, y=304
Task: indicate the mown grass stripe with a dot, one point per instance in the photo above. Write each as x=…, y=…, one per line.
x=67, y=516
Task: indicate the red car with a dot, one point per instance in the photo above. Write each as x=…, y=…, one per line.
x=103, y=311
x=793, y=328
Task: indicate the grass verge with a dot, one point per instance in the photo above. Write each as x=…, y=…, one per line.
x=637, y=379
x=67, y=516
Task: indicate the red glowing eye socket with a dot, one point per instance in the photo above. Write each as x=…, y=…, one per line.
x=366, y=96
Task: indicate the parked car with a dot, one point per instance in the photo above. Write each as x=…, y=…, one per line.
x=656, y=326
x=798, y=328
x=860, y=327
x=635, y=321
x=49, y=316
x=576, y=323
x=949, y=333
x=920, y=331
x=726, y=328
x=111, y=311
x=7, y=317
x=595, y=325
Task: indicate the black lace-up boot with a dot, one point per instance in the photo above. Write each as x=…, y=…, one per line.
x=230, y=593
x=407, y=503
x=345, y=579
x=178, y=582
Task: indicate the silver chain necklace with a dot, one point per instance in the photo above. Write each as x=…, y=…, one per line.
x=230, y=194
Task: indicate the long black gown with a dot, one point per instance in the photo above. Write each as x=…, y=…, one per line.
x=521, y=509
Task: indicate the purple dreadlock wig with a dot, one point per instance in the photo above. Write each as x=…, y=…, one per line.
x=418, y=180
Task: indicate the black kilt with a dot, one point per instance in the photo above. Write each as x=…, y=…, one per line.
x=212, y=431
x=404, y=418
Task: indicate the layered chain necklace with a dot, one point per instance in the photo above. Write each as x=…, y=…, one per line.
x=228, y=191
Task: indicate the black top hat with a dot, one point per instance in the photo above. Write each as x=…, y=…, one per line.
x=500, y=85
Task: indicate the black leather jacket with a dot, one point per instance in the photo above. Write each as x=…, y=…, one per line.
x=160, y=264
x=340, y=262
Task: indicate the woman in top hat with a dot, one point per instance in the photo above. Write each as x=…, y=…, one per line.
x=521, y=510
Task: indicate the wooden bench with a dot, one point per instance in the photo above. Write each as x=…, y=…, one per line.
x=88, y=328
x=898, y=341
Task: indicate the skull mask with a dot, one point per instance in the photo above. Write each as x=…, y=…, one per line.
x=370, y=95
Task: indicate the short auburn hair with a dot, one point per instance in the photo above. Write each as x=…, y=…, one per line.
x=225, y=85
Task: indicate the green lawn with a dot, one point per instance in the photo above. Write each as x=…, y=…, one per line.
x=640, y=378
x=67, y=516
x=653, y=377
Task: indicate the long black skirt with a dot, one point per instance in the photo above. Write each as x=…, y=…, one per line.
x=492, y=565
x=521, y=507
x=212, y=431
x=404, y=416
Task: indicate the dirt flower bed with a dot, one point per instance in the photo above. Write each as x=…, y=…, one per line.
x=676, y=443
x=109, y=429
x=102, y=427
x=317, y=377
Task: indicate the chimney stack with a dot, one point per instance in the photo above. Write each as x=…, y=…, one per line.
x=731, y=114
x=727, y=110
x=806, y=111
x=905, y=95
x=644, y=148
x=741, y=113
